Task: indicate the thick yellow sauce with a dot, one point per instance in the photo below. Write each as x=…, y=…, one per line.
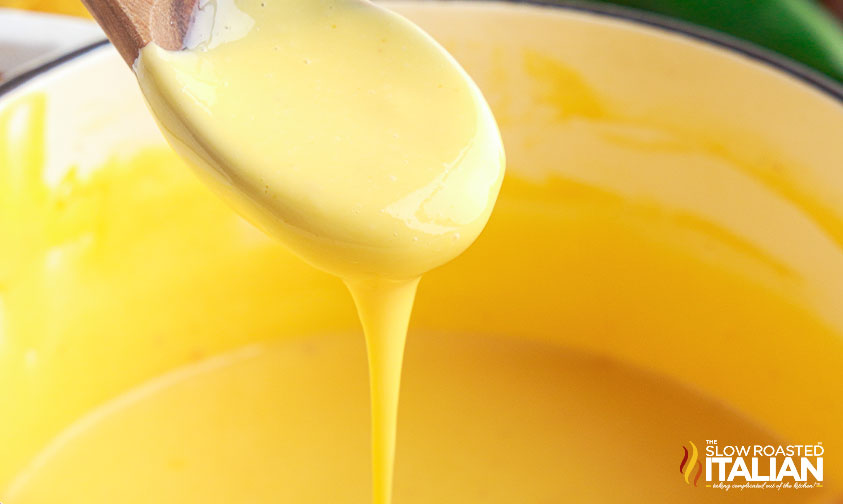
x=700, y=247
x=483, y=420
x=348, y=133
x=336, y=126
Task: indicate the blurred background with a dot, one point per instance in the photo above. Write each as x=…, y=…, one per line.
x=808, y=31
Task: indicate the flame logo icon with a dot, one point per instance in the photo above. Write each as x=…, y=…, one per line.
x=689, y=463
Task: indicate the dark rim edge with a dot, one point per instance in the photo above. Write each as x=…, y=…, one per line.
x=21, y=79
x=797, y=70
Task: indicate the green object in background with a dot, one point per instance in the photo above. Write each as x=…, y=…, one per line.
x=800, y=29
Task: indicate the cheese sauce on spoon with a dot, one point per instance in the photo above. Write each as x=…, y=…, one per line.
x=349, y=134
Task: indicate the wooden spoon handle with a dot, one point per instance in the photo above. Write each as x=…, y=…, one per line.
x=131, y=24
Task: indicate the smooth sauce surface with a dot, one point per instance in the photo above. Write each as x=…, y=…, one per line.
x=348, y=133
x=511, y=422
x=336, y=126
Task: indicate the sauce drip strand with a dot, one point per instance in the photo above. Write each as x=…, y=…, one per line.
x=349, y=134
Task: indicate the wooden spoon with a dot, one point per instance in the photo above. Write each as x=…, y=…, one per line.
x=131, y=24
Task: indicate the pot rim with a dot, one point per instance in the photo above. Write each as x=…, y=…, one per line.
x=765, y=57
